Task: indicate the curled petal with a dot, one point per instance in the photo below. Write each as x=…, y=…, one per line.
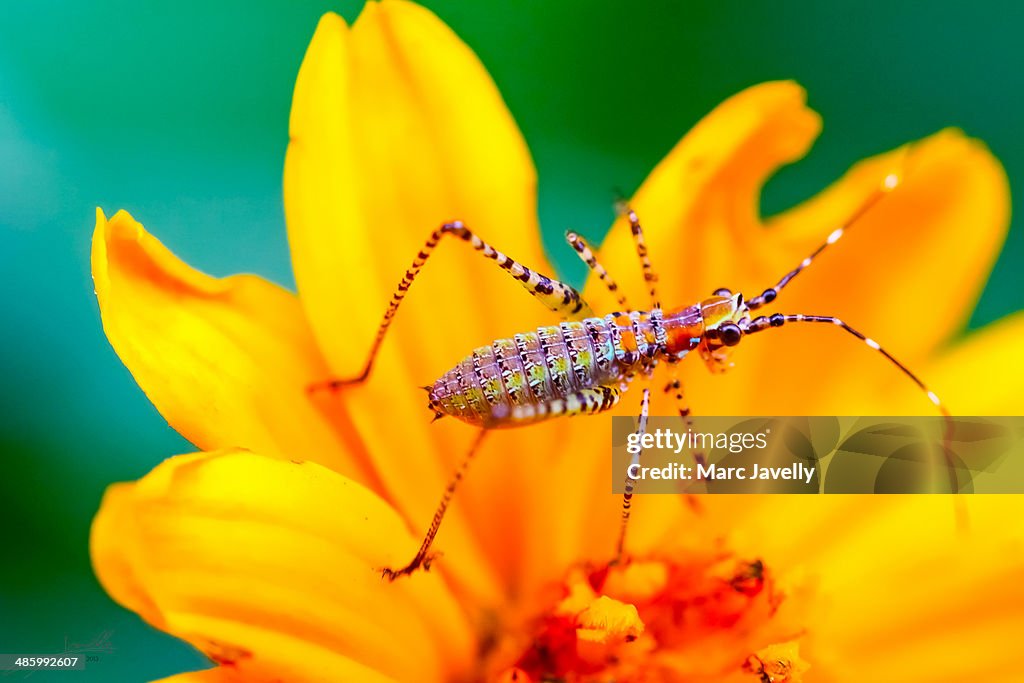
x=225, y=361
x=699, y=206
x=273, y=569
x=906, y=274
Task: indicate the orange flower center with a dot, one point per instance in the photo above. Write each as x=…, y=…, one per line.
x=709, y=618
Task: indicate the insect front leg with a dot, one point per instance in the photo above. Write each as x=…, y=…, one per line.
x=558, y=296
x=587, y=255
x=650, y=276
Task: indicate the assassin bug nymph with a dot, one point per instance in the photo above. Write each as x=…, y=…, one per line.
x=583, y=365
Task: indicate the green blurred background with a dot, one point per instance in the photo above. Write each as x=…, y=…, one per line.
x=178, y=112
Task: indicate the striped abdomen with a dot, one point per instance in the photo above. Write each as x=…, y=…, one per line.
x=510, y=381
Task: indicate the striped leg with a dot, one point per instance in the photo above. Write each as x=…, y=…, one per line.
x=423, y=556
x=558, y=296
x=627, y=496
x=586, y=401
x=586, y=254
x=675, y=387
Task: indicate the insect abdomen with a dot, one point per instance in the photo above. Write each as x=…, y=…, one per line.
x=534, y=368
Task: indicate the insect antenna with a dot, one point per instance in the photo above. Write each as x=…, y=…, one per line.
x=767, y=296
x=762, y=322
x=889, y=183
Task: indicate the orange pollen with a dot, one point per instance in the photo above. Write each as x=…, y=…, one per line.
x=653, y=620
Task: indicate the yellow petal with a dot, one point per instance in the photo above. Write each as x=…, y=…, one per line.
x=225, y=361
x=272, y=568
x=980, y=375
x=569, y=513
x=907, y=275
x=983, y=375
x=892, y=587
x=395, y=128
x=923, y=600
x=701, y=202
x=217, y=674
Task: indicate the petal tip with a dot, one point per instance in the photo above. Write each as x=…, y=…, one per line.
x=782, y=94
x=972, y=155
x=121, y=226
x=98, y=256
x=786, y=88
x=331, y=21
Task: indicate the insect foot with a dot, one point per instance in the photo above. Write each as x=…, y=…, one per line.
x=418, y=562
x=332, y=386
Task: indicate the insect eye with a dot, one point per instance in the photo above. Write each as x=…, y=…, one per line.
x=730, y=334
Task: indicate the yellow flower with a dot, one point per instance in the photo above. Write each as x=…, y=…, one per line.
x=264, y=550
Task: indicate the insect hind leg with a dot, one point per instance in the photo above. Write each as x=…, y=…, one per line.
x=630, y=486
x=423, y=557
x=586, y=401
x=558, y=296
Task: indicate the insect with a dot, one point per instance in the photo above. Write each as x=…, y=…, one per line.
x=584, y=364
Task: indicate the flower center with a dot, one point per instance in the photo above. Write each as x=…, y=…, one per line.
x=710, y=618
